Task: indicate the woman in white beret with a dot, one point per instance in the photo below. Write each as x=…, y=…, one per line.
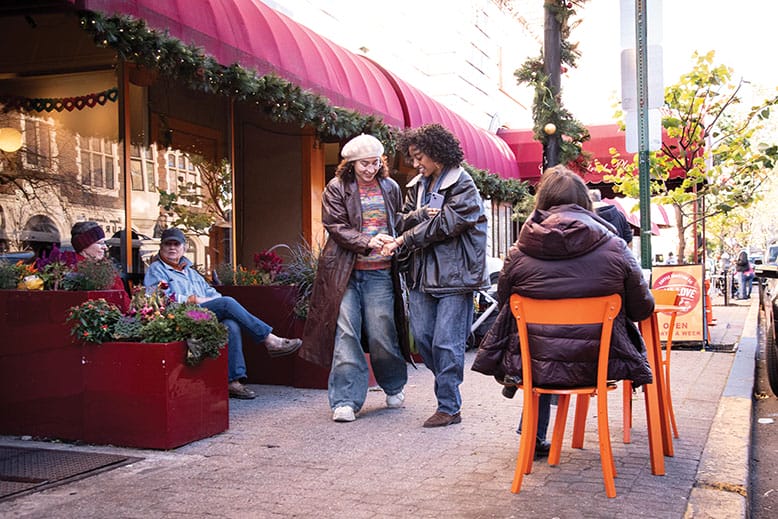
x=357, y=288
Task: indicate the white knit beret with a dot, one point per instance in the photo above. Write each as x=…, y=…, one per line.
x=362, y=147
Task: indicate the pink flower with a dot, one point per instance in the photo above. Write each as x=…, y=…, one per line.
x=198, y=315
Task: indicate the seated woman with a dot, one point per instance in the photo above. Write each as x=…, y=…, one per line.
x=88, y=240
x=565, y=250
x=188, y=286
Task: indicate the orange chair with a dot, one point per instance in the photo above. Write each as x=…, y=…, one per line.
x=661, y=297
x=590, y=310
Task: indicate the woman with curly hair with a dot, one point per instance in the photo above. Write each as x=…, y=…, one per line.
x=356, y=292
x=442, y=228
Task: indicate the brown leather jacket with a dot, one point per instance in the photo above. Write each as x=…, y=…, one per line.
x=342, y=218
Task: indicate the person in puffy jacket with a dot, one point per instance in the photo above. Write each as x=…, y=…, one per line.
x=565, y=250
x=442, y=227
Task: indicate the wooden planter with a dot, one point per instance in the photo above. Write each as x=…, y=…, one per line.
x=41, y=378
x=144, y=395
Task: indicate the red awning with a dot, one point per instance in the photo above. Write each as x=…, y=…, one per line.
x=481, y=148
x=256, y=36
x=529, y=152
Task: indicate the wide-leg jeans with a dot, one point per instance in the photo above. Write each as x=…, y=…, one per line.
x=367, y=305
x=235, y=317
x=440, y=327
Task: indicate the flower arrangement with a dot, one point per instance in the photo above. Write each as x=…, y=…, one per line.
x=152, y=317
x=58, y=270
x=267, y=266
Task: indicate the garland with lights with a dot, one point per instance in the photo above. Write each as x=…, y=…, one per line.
x=548, y=113
x=281, y=100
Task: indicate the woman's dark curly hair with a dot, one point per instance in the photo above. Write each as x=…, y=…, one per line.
x=346, y=170
x=435, y=142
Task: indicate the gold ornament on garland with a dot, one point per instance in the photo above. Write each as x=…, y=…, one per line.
x=550, y=129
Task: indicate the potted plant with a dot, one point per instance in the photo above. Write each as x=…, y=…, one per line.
x=277, y=292
x=41, y=380
x=153, y=377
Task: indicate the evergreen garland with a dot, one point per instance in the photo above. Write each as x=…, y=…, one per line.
x=281, y=100
x=547, y=108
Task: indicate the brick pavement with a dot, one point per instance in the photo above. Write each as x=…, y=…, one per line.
x=284, y=457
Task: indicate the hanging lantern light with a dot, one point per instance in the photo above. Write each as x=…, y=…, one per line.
x=10, y=140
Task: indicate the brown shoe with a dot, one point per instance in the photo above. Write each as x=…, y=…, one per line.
x=238, y=390
x=440, y=419
x=278, y=347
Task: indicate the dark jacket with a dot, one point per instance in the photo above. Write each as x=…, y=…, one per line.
x=568, y=252
x=342, y=218
x=743, y=264
x=613, y=216
x=448, y=251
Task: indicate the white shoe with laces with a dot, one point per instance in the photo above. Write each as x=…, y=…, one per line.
x=395, y=401
x=343, y=413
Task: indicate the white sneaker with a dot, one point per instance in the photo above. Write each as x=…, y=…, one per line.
x=343, y=413
x=395, y=401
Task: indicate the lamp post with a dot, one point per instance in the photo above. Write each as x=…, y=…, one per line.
x=552, y=63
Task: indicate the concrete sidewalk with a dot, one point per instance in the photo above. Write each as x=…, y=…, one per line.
x=284, y=457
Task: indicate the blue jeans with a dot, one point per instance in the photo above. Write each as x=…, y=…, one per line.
x=367, y=305
x=440, y=327
x=544, y=414
x=232, y=315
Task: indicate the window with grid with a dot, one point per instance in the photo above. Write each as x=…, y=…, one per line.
x=183, y=176
x=142, y=169
x=97, y=161
x=37, y=149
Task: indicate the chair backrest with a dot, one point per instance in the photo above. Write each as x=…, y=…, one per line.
x=664, y=296
x=571, y=311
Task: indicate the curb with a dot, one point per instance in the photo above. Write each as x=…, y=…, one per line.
x=721, y=485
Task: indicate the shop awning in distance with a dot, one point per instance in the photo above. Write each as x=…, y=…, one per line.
x=529, y=152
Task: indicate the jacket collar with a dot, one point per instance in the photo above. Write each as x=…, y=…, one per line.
x=450, y=176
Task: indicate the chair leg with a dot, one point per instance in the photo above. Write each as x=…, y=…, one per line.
x=627, y=405
x=669, y=399
x=606, y=453
x=526, y=443
x=559, y=429
x=579, y=425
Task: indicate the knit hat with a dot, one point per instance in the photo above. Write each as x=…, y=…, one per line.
x=362, y=147
x=172, y=233
x=84, y=234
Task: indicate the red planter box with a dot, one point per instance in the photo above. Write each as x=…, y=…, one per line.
x=41, y=379
x=275, y=306
x=145, y=395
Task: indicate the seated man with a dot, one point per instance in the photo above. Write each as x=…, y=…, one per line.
x=188, y=286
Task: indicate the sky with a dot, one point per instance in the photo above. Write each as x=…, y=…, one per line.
x=743, y=34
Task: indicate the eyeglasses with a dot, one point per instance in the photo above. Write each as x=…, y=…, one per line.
x=367, y=164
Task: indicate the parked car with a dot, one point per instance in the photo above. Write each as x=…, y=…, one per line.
x=768, y=300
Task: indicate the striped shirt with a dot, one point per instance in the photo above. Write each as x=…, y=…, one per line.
x=373, y=222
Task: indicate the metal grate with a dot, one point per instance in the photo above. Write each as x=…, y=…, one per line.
x=31, y=469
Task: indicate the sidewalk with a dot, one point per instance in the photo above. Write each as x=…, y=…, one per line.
x=284, y=457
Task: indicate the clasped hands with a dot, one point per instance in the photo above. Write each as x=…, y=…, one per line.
x=387, y=244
